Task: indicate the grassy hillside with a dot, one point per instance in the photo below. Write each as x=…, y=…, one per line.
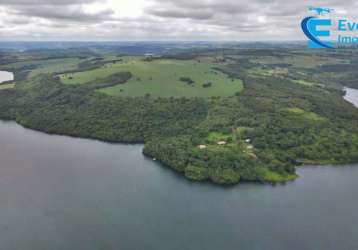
x=161, y=78
x=7, y=86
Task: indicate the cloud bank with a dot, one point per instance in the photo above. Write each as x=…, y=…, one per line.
x=237, y=20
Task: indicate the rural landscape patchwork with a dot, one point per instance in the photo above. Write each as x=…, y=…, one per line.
x=225, y=115
x=178, y=125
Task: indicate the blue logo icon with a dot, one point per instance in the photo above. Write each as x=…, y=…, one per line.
x=312, y=28
x=320, y=11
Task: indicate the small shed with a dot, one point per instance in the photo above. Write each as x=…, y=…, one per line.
x=222, y=143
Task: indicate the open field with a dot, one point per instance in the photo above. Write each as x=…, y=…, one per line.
x=162, y=78
x=304, y=82
x=305, y=114
x=299, y=61
x=57, y=65
x=7, y=86
x=48, y=66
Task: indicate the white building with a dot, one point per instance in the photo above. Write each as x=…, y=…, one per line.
x=222, y=143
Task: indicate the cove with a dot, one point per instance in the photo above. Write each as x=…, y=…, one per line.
x=58, y=192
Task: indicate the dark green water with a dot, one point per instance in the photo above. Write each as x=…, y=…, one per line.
x=61, y=193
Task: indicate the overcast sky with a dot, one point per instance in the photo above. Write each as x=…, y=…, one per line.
x=236, y=20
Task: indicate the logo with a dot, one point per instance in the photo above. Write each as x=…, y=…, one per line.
x=323, y=32
x=316, y=28
x=320, y=11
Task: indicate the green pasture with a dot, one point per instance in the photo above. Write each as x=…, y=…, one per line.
x=161, y=78
x=305, y=114
x=49, y=66
x=7, y=86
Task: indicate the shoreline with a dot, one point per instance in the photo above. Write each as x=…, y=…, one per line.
x=264, y=176
x=281, y=180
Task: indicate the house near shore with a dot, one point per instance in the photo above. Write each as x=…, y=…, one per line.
x=221, y=143
x=149, y=56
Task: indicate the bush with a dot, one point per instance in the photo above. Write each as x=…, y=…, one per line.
x=196, y=173
x=207, y=85
x=224, y=176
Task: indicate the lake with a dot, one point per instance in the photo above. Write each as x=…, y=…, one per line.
x=6, y=76
x=63, y=193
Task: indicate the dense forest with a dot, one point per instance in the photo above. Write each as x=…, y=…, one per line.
x=290, y=113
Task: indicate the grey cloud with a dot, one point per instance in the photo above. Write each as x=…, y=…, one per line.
x=255, y=16
x=62, y=13
x=163, y=19
x=55, y=10
x=194, y=7
x=45, y=2
x=237, y=7
x=192, y=14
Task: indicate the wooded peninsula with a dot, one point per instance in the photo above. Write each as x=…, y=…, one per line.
x=221, y=115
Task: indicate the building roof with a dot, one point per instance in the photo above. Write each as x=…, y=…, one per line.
x=222, y=143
